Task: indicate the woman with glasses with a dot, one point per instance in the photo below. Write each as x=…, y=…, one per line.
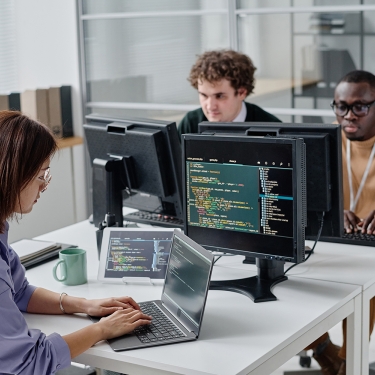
x=26, y=148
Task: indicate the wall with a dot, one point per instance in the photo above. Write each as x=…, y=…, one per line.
x=47, y=47
x=47, y=54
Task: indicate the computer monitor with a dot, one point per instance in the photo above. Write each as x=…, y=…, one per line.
x=246, y=196
x=324, y=192
x=136, y=163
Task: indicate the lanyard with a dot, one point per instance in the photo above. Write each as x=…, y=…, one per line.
x=354, y=201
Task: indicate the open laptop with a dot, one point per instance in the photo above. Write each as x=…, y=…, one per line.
x=182, y=302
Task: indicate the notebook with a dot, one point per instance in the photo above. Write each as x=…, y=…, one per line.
x=182, y=301
x=35, y=252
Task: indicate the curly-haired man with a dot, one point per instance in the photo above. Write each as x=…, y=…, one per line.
x=223, y=78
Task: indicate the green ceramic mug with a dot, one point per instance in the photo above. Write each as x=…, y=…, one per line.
x=73, y=267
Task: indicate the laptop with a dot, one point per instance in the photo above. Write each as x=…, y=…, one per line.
x=178, y=315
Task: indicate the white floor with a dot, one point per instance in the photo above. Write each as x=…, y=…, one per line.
x=336, y=338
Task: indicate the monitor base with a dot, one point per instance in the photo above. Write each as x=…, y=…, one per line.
x=249, y=260
x=258, y=288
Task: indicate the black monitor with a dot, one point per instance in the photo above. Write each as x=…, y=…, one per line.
x=246, y=196
x=136, y=163
x=323, y=167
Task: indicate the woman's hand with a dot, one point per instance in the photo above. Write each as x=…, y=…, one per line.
x=122, y=322
x=107, y=306
x=119, y=323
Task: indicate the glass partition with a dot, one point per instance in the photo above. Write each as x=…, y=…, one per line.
x=136, y=55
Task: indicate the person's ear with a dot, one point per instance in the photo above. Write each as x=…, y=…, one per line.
x=242, y=92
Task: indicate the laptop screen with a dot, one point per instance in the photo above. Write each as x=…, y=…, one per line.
x=187, y=280
x=137, y=253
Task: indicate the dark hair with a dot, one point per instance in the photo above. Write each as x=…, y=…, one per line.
x=25, y=145
x=213, y=66
x=359, y=76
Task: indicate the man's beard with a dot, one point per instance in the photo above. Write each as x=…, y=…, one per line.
x=353, y=137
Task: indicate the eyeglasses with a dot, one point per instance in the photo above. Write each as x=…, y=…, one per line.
x=46, y=179
x=359, y=109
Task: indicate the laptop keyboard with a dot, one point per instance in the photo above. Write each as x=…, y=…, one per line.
x=161, y=328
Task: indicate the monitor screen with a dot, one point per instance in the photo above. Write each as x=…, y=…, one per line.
x=246, y=195
x=136, y=163
x=323, y=167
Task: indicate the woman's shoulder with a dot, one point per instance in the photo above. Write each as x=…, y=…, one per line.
x=5, y=280
x=6, y=251
x=5, y=255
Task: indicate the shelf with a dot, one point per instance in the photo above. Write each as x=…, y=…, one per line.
x=326, y=57
x=69, y=142
x=333, y=34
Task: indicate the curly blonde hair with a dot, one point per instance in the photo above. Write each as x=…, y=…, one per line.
x=213, y=66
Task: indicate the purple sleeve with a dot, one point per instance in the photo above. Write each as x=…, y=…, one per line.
x=24, y=351
x=23, y=290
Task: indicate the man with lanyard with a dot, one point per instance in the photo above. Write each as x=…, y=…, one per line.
x=354, y=106
x=355, y=111
x=223, y=79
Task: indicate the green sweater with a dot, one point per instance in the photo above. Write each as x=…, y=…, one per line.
x=189, y=124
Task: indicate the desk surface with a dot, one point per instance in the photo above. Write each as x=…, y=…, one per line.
x=341, y=263
x=237, y=335
x=335, y=262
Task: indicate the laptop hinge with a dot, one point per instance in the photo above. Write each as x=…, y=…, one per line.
x=189, y=330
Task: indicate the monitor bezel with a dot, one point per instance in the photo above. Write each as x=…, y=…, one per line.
x=333, y=220
x=173, y=149
x=299, y=212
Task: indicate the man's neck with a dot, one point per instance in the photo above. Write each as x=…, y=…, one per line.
x=241, y=116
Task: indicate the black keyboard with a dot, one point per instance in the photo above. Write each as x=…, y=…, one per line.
x=352, y=239
x=154, y=219
x=161, y=328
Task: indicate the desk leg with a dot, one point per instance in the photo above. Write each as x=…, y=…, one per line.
x=366, y=296
x=354, y=339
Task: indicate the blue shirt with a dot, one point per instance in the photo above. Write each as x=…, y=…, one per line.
x=22, y=350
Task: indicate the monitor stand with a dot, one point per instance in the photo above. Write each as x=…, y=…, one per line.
x=258, y=288
x=249, y=260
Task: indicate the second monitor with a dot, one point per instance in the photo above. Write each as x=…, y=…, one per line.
x=136, y=163
x=323, y=167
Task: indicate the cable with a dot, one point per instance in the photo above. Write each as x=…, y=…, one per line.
x=218, y=255
x=216, y=259
x=316, y=241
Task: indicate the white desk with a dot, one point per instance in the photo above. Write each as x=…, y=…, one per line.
x=238, y=336
x=340, y=263
x=347, y=264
